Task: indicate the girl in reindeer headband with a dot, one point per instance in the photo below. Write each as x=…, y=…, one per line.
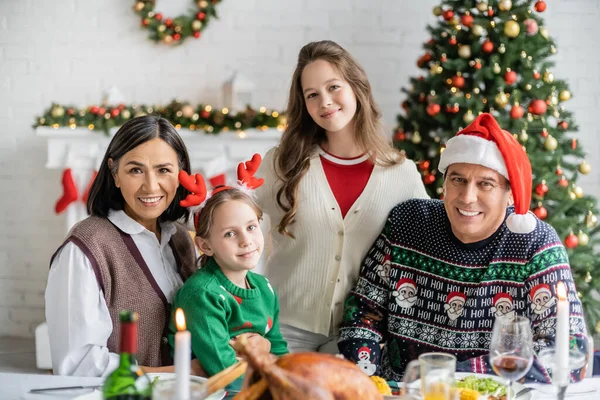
x=224, y=297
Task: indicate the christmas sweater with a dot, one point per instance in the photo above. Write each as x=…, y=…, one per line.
x=422, y=290
x=216, y=311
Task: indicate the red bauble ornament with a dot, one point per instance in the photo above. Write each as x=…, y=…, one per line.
x=201, y=16
x=563, y=125
x=101, y=111
x=176, y=36
x=559, y=171
x=563, y=182
x=448, y=14
x=196, y=34
x=536, y=75
x=452, y=108
x=424, y=165
x=425, y=58
x=121, y=107
x=405, y=105
x=429, y=179
x=70, y=111
x=510, y=77
x=168, y=22
x=477, y=65
x=573, y=144
x=94, y=109
x=443, y=58
x=145, y=22
x=490, y=12
x=540, y=212
x=541, y=189
x=517, y=112
x=537, y=107
x=467, y=20
x=115, y=112
x=399, y=136
x=433, y=109
x=452, y=41
x=158, y=17
x=544, y=133
x=571, y=241
x=458, y=81
x=431, y=42
x=205, y=114
x=540, y=6
x=487, y=46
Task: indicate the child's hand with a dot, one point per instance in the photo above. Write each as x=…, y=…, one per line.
x=254, y=340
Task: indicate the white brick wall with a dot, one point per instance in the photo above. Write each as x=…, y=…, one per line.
x=69, y=51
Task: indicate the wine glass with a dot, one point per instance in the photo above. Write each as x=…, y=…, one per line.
x=511, y=350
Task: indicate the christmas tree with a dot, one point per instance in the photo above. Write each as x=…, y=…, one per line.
x=493, y=56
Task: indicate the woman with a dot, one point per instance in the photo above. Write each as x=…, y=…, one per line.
x=129, y=254
x=329, y=188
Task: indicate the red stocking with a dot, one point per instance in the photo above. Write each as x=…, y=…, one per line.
x=87, y=191
x=69, y=192
x=217, y=180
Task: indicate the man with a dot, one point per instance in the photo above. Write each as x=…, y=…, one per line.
x=440, y=273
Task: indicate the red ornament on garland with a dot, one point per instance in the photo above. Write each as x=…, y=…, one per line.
x=201, y=16
x=477, y=65
x=429, y=179
x=168, y=22
x=541, y=189
x=452, y=41
x=467, y=20
x=145, y=22
x=558, y=171
x=448, y=14
x=544, y=133
x=536, y=75
x=424, y=165
x=571, y=241
x=563, y=182
x=94, y=109
x=452, y=108
x=563, y=125
x=115, y=112
x=517, y=112
x=101, y=111
x=538, y=107
x=510, y=77
x=196, y=34
x=490, y=12
x=487, y=46
x=158, y=17
x=573, y=144
x=540, y=6
x=176, y=36
x=423, y=60
x=540, y=212
x=458, y=81
x=400, y=136
x=433, y=109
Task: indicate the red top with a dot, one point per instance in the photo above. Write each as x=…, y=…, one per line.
x=347, y=177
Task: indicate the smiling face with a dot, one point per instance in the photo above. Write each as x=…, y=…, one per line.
x=475, y=199
x=235, y=239
x=147, y=178
x=329, y=99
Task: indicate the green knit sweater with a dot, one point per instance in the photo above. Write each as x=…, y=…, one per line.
x=216, y=310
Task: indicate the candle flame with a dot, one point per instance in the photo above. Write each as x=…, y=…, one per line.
x=561, y=291
x=180, y=319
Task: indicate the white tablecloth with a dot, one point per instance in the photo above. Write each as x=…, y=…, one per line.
x=17, y=386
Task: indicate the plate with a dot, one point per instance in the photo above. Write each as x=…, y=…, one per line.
x=97, y=394
x=517, y=387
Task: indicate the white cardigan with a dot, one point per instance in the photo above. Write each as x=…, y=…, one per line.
x=314, y=272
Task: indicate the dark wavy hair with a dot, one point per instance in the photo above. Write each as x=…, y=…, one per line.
x=105, y=195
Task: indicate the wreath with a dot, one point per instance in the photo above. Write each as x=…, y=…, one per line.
x=175, y=30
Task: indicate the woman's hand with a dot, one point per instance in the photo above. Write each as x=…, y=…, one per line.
x=254, y=340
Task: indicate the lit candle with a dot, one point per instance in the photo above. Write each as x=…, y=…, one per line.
x=183, y=357
x=561, y=368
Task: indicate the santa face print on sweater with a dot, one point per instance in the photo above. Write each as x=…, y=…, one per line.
x=503, y=305
x=541, y=299
x=455, y=305
x=405, y=293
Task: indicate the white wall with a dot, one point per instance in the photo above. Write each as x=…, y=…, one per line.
x=70, y=51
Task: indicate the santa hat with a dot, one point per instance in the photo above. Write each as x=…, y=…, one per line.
x=502, y=298
x=364, y=348
x=405, y=282
x=484, y=143
x=541, y=288
x=456, y=296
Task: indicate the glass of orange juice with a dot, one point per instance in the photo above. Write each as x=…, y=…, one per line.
x=435, y=371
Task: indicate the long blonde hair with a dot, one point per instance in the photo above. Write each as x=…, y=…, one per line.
x=206, y=218
x=292, y=159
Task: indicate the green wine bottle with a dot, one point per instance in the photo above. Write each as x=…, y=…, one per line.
x=128, y=381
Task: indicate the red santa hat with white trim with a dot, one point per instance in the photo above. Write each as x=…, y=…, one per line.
x=404, y=282
x=484, y=143
x=502, y=298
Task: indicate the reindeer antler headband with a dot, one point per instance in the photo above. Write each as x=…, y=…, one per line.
x=200, y=195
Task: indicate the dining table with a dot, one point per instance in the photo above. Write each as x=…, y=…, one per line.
x=17, y=386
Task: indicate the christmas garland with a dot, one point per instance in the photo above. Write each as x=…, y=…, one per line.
x=181, y=114
x=175, y=30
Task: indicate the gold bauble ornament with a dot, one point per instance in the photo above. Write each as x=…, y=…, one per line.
x=572, y=195
x=550, y=143
x=505, y=5
x=168, y=39
x=476, y=90
x=477, y=30
x=468, y=117
x=187, y=111
x=196, y=25
x=501, y=48
x=454, y=21
x=564, y=95
x=591, y=220
x=482, y=6
x=501, y=99
x=203, y=3
x=548, y=77
x=436, y=69
x=528, y=87
x=496, y=68
x=578, y=191
x=544, y=32
x=523, y=137
x=464, y=51
x=57, y=111
x=162, y=28
x=125, y=114
x=584, y=167
x=552, y=50
x=437, y=11
x=416, y=138
x=553, y=99
x=588, y=276
x=512, y=29
x=138, y=6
